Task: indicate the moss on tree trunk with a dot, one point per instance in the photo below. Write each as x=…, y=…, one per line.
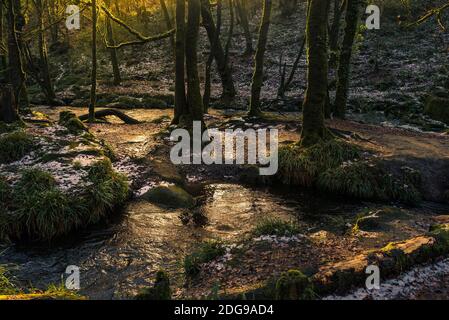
x=313, y=129
x=93, y=87
x=344, y=62
x=112, y=51
x=257, y=80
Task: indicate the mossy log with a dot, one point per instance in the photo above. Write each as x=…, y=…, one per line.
x=112, y=112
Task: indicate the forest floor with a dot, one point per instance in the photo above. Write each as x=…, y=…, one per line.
x=395, y=69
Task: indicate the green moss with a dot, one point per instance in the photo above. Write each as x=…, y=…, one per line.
x=205, y=252
x=294, y=285
x=15, y=145
x=437, y=108
x=73, y=124
x=276, y=226
x=378, y=219
x=159, y=291
x=171, y=196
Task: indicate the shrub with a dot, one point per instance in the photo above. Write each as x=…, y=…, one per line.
x=207, y=251
x=276, y=226
x=14, y=145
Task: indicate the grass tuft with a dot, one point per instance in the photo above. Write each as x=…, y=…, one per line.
x=276, y=226
x=15, y=145
x=205, y=252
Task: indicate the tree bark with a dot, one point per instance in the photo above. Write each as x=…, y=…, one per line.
x=180, y=90
x=8, y=105
x=344, y=62
x=334, y=36
x=15, y=64
x=313, y=128
x=112, y=112
x=243, y=15
x=257, y=80
x=229, y=91
x=230, y=32
x=93, y=87
x=113, y=51
x=168, y=24
x=194, y=99
x=45, y=79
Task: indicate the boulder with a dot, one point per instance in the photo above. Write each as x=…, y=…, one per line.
x=170, y=196
x=437, y=107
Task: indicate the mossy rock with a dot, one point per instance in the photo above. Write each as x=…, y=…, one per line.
x=379, y=219
x=69, y=120
x=159, y=291
x=15, y=145
x=437, y=108
x=128, y=102
x=294, y=285
x=170, y=196
x=153, y=103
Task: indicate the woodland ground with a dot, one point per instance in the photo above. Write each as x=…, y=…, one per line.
x=394, y=70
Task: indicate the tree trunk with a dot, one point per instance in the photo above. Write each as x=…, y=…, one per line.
x=334, y=35
x=8, y=105
x=231, y=31
x=194, y=99
x=168, y=24
x=229, y=92
x=243, y=15
x=45, y=79
x=352, y=21
x=257, y=80
x=210, y=59
x=313, y=128
x=16, y=73
x=180, y=90
x=3, y=63
x=287, y=7
x=93, y=87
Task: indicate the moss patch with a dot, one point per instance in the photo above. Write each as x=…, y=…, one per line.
x=294, y=285
x=170, y=196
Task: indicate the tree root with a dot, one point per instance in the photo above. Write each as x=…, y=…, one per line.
x=112, y=112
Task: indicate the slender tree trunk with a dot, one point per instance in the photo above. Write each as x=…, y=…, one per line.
x=344, y=64
x=229, y=92
x=231, y=31
x=44, y=71
x=334, y=36
x=93, y=88
x=16, y=73
x=180, y=90
x=287, y=7
x=194, y=99
x=210, y=59
x=168, y=24
x=113, y=51
x=243, y=15
x=313, y=128
x=257, y=81
x=3, y=63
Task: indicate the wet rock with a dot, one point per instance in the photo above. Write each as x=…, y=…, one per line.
x=170, y=196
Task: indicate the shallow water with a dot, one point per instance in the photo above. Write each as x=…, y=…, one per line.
x=119, y=257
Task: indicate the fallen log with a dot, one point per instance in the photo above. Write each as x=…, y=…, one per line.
x=111, y=112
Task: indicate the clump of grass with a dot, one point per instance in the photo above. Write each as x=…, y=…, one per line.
x=159, y=291
x=276, y=226
x=338, y=167
x=15, y=145
x=205, y=252
x=301, y=166
x=106, y=190
x=368, y=180
x=39, y=210
x=6, y=285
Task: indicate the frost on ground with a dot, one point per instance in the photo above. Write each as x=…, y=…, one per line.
x=409, y=285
